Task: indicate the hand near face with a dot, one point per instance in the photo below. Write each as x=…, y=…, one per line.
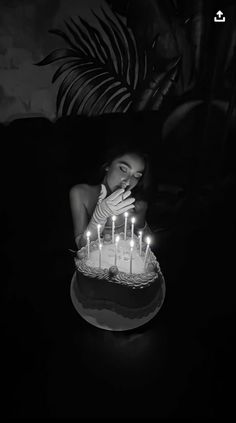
x=119, y=202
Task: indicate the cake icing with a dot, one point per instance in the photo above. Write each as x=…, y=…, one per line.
x=112, y=286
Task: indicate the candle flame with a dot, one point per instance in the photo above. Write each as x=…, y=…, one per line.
x=148, y=240
x=131, y=243
x=140, y=233
x=113, y=218
x=117, y=238
x=133, y=219
x=100, y=246
x=98, y=226
x=88, y=234
x=126, y=214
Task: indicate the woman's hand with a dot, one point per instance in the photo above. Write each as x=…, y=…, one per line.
x=116, y=204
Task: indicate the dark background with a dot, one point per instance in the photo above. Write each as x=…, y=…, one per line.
x=180, y=364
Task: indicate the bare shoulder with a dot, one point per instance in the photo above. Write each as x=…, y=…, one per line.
x=83, y=192
x=79, y=189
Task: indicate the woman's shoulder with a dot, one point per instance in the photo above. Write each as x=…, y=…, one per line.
x=84, y=188
x=85, y=192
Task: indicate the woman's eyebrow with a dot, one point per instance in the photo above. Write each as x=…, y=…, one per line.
x=127, y=164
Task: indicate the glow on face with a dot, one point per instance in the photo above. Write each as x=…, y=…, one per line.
x=125, y=172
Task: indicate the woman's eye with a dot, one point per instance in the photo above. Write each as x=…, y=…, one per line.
x=137, y=176
x=123, y=169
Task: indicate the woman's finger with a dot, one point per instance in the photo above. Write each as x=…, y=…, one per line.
x=126, y=194
x=116, y=194
x=124, y=209
x=117, y=200
x=121, y=197
x=125, y=203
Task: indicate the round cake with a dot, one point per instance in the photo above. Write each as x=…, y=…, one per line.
x=108, y=281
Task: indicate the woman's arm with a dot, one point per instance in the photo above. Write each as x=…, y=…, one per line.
x=140, y=218
x=117, y=203
x=78, y=195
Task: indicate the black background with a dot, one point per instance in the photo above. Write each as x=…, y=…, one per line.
x=181, y=364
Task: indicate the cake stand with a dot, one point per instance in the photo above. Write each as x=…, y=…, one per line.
x=104, y=318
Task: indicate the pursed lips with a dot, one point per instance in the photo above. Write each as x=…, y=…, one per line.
x=124, y=186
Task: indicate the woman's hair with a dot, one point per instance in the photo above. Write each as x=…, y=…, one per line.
x=142, y=190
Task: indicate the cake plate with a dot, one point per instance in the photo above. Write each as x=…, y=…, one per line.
x=109, y=319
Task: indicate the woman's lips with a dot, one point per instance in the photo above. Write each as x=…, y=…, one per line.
x=124, y=186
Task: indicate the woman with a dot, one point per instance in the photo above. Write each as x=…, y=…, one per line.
x=123, y=188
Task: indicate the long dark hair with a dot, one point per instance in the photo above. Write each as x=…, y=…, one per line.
x=142, y=190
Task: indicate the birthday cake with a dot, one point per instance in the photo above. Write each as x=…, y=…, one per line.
x=113, y=279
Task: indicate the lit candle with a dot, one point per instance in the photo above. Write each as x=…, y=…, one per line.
x=100, y=255
x=116, y=245
x=99, y=228
x=148, y=241
x=132, y=227
x=131, y=255
x=113, y=228
x=140, y=242
x=88, y=242
x=126, y=217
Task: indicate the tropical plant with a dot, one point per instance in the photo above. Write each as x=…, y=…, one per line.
x=107, y=71
x=207, y=73
x=186, y=28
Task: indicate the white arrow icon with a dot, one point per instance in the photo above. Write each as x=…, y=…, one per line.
x=220, y=18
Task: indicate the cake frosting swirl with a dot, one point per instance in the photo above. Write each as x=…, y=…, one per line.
x=136, y=280
x=104, y=284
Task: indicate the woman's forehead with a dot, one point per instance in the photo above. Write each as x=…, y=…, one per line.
x=132, y=160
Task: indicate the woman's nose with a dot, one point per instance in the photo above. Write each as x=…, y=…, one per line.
x=126, y=181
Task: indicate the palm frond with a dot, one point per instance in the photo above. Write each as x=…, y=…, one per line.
x=99, y=50
x=68, y=40
x=129, y=47
x=114, y=43
x=65, y=67
x=58, y=54
x=104, y=71
x=157, y=88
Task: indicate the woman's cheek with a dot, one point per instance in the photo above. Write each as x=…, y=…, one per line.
x=134, y=183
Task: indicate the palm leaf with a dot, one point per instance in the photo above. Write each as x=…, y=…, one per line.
x=72, y=73
x=94, y=105
x=111, y=102
x=65, y=67
x=123, y=50
x=101, y=46
x=129, y=47
x=98, y=46
x=104, y=71
x=84, y=88
x=76, y=83
x=115, y=51
x=58, y=54
x=88, y=95
x=68, y=41
x=81, y=39
x=157, y=88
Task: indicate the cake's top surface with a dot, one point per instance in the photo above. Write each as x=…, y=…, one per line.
x=118, y=270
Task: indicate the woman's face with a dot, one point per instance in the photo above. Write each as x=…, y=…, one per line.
x=125, y=172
